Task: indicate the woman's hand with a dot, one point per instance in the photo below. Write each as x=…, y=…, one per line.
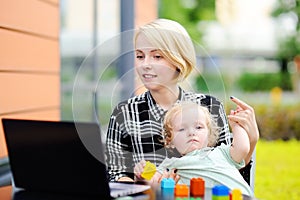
x=244, y=115
x=125, y=179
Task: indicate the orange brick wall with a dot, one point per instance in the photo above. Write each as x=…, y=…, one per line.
x=145, y=11
x=29, y=61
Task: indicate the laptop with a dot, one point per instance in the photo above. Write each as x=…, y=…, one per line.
x=61, y=157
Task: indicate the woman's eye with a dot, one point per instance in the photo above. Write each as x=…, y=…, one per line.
x=181, y=129
x=157, y=57
x=139, y=56
x=198, y=127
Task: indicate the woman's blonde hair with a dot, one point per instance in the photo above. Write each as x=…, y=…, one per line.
x=181, y=107
x=173, y=41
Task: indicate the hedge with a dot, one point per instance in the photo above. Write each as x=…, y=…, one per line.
x=278, y=122
x=264, y=81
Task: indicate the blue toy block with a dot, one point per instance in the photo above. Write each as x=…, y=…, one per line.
x=220, y=190
x=167, y=183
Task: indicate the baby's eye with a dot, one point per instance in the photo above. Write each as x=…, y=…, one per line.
x=198, y=127
x=181, y=129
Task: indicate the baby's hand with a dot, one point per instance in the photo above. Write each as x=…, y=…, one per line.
x=139, y=169
x=144, y=170
x=235, y=126
x=158, y=177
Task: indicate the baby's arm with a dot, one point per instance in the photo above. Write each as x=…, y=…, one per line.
x=240, y=146
x=154, y=181
x=156, y=178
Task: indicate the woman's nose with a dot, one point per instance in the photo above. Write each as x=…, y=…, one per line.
x=147, y=63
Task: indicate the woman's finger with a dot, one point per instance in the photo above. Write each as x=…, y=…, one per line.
x=238, y=119
x=240, y=103
x=243, y=122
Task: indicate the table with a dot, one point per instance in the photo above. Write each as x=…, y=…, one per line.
x=7, y=193
x=169, y=195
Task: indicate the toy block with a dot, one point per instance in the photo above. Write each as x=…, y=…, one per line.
x=167, y=183
x=197, y=187
x=181, y=190
x=220, y=192
x=149, y=170
x=236, y=194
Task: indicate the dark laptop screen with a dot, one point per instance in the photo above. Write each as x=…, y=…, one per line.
x=50, y=156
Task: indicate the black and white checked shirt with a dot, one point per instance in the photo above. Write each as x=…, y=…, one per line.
x=135, y=127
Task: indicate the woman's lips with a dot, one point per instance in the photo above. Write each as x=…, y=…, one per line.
x=149, y=76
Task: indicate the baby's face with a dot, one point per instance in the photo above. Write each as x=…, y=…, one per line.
x=190, y=130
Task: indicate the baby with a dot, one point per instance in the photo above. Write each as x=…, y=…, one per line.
x=190, y=129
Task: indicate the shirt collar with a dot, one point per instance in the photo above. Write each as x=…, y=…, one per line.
x=155, y=109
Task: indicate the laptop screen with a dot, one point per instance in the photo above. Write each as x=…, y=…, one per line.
x=52, y=156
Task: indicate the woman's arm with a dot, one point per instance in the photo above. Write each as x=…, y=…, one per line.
x=118, y=152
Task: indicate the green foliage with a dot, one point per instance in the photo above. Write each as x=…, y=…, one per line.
x=206, y=83
x=289, y=46
x=188, y=13
x=277, y=170
x=284, y=7
x=251, y=82
x=201, y=84
x=109, y=73
x=278, y=122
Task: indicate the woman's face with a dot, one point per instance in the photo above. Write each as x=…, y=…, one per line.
x=153, y=68
x=190, y=131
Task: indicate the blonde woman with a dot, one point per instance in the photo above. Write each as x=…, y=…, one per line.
x=164, y=56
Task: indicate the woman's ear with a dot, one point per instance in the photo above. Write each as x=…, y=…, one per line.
x=180, y=76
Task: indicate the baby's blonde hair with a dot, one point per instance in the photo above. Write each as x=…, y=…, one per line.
x=181, y=107
x=173, y=41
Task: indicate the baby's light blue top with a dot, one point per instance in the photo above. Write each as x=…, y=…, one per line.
x=214, y=165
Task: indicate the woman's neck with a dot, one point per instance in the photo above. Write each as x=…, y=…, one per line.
x=166, y=97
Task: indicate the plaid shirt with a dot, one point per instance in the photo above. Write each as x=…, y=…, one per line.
x=135, y=127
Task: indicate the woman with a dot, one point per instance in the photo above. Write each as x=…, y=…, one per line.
x=165, y=56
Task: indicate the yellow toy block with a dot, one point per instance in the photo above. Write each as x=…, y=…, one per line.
x=149, y=170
